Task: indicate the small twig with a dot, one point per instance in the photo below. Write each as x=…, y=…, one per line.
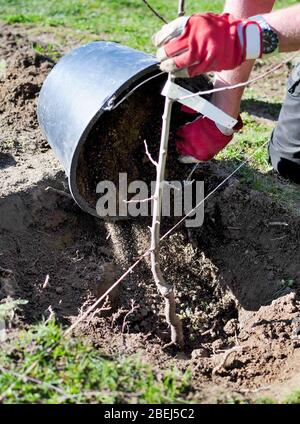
x=82, y=307
x=278, y=238
x=62, y=193
x=117, y=315
x=34, y=380
x=105, y=307
x=155, y=12
x=19, y=378
x=210, y=330
x=241, y=84
x=226, y=356
x=181, y=7
x=51, y=314
x=46, y=283
x=189, y=177
x=149, y=154
x=278, y=224
x=168, y=184
x=149, y=199
x=97, y=394
x=237, y=342
x=131, y=311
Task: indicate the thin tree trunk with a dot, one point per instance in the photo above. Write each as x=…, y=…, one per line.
x=165, y=288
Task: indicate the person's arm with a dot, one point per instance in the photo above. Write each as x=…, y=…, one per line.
x=227, y=44
x=246, y=8
x=286, y=22
x=230, y=101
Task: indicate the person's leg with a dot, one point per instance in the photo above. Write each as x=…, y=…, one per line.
x=284, y=147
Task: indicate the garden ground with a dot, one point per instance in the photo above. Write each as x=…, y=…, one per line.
x=237, y=278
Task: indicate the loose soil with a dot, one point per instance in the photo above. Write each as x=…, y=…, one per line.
x=237, y=278
x=116, y=143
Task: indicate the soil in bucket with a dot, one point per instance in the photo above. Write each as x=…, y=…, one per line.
x=116, y=143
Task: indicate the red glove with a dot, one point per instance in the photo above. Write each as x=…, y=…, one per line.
x=207, y=42
x=201, y=140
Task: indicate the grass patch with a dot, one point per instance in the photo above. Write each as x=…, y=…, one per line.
x=266, y=401
x=250, y=145
x=125, y=21
x=253, y=136
x=293, y=398
x=48, y=50
x=71, y=370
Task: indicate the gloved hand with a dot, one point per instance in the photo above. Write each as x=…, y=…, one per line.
x=201, y=139
x=207, y=42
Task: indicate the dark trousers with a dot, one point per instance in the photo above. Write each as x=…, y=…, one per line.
x=284, y=147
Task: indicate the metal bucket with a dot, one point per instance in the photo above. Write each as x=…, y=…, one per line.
x=80, y=88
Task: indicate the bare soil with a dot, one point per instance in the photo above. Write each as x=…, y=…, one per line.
x=237, y=278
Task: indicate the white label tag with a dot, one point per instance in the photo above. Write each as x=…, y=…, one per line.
x=175, y=92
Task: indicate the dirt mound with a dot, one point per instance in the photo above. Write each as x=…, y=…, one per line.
x=237, y=277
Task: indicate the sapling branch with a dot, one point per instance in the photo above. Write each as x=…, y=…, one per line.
x=134, y=307
x=181, y=7
x=166, y=289
x=149, y=154
x=155, y=12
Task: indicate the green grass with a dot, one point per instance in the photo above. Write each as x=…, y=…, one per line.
x=70, y=370
x=266, y=401
x=293, y=398
x=253, y=136
x=250, y=144
x=47, y=50
x=125, y=21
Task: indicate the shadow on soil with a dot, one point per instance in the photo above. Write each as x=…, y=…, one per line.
x=44, y=233
x=6, y=160
x=261, y=109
